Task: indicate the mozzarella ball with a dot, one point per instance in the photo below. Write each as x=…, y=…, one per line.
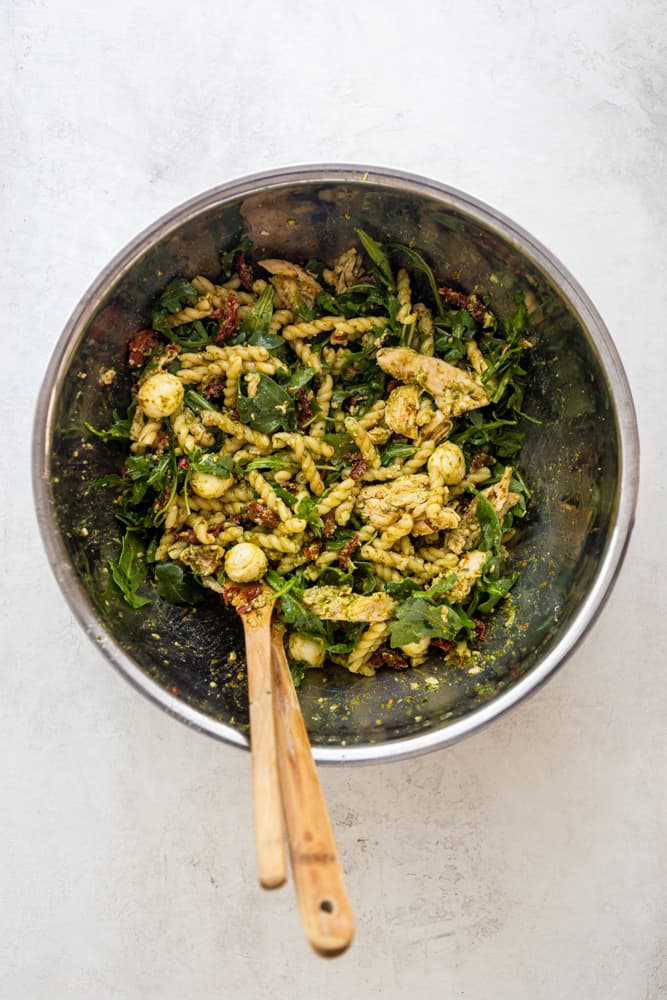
x=447, y=464
x=306, y=649
x=208, y=486
x=160, y=395
x=245, y=562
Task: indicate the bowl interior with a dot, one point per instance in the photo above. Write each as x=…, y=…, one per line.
x=570, y=457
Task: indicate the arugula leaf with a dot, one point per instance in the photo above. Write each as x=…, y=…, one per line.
x=214, y=465
x=227, y=258
x=416, y=618
x=257, y=319
x=130, y=570
x=270, y=462
x=299, y=379
x=118, y=430
x=307, y=509
x=270, y=409
x=490, y=523
x=378, y=257
x=406, y=588
x=197, y=402
x=396, y=449
x=299, y=617
x=298, y=672
x=495, y=589
x=176, y=586
x=178, y=292
x=420, y=264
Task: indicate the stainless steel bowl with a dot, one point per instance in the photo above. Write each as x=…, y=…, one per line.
x=581, y=460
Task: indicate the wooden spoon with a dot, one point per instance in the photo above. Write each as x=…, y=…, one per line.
x=325, y=909
x=254, y=604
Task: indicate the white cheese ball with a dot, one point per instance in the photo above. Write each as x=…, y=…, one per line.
x=208, y=486
x=305, y=649
x=160, y=395
x=447, y=464
x=245, y=562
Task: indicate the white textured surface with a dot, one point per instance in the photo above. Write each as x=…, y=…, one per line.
x=527, y=863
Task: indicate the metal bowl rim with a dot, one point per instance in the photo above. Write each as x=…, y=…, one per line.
x=489, y=218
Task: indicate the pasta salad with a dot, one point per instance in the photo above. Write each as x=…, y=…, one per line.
x=345, y=433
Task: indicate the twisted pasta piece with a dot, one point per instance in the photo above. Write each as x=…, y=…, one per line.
x=371, y=418
x=236, y=429
x=344, y=511
x=404, y=296
x=351, y=329
x=343, y=491
x=363, y=442
x=369, y=640
x=280, y=543
x=297, y=442
x=200, y=310
x=426, y=329
x=395, y=532
x=323, y=400
x=425, y=449
x=306, y=354
x=281, y=317
x=299, y=331
x=232, y=384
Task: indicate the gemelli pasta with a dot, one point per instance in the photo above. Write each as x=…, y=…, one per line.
x=345, y=431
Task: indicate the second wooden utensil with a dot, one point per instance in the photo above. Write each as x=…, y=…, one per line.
x=325, y=909
x=254, y=605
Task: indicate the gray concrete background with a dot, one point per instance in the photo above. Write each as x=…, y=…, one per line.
x=527, y=863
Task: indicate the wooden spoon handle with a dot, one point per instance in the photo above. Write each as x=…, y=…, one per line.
x=325, y=909
x=269, y=823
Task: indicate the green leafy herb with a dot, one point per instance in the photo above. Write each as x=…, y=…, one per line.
x=118, y=430
x=299, y=617
x=257, y=319
x=417, y=618
x=130, y=570
x=270, y=409
x=420, y=264
x=176, y=586
x=396, y=449
x=227, y=258
x=490, y=523
x=197, y=402
x=179, y=292
x=378, y=257
x=298, y=672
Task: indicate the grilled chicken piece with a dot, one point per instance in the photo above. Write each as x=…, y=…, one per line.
x=383, y=503
x=467, y=572
x=452, y=389
x=469, y=532
x=291, y=282
x=405, y=411
x=339, y=604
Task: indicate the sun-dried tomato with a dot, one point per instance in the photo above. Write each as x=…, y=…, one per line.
x=479, y=461
x=161, y=442
x=259, y=513
x=358, y=469
x=142, y=346
x=241, y=597
x=387, y=657
x=244, y=270
x=313, y=549
x=480, y=629
x=470, y=303
x=213, y=387
x=347, y=550
x=329, y=523
x=183, y=463
x=304, y=406
x=229, y=318
x=444, y=644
